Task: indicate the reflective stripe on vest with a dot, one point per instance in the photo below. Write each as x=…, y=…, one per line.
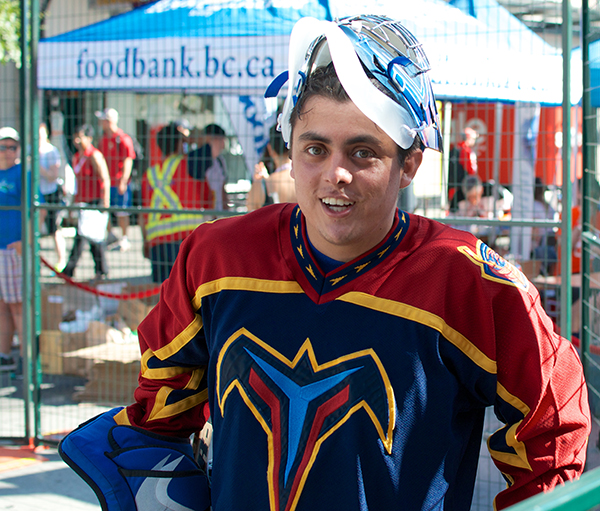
x=164, y=197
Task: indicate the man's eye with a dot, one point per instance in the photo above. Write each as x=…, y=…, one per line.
x=363, y=153
x=315, y=151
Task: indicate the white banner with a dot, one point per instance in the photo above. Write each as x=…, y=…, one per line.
x=228, y=65
x=252, y=117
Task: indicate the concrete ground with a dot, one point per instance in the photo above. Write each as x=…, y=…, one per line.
x=43, y=482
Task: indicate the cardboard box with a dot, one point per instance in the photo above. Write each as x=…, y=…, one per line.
x=110, y=383
x=73, y=363
x=51, y=352
x=52, y=307
x=133, y=312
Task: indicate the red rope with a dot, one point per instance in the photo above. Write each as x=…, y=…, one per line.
x=93, y=290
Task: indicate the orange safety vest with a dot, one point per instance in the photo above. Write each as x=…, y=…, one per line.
x=169, y=186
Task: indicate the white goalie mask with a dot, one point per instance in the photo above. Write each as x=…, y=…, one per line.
x=363, y=48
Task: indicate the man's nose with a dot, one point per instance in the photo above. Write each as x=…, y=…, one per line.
x=339, y=171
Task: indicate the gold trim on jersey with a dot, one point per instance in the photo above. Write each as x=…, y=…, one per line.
x=122, y=419
x=181, y=339
x=160, y=373
x=244, y=284
x=161, y=410
x=422, y=317
x=516, y=460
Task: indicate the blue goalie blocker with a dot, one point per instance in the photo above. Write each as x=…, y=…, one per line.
x=131, y=469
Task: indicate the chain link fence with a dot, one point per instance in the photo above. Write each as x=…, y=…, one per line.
x=501, y=176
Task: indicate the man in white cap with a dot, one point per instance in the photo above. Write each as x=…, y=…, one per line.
x=11, y=306
x=348, y=350
x=119, y=153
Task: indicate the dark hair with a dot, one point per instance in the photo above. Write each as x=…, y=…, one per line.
x=470, y=182
x=324, y=82
x=167, y=139
x=276, y=141
x=214, y=130
x=86, y=129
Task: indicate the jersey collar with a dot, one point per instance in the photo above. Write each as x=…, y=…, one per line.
x=325, y=283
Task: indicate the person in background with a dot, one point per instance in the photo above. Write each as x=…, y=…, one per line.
x=169, y=186
x=118, y=150
x=462, y=163
x=543, y=238
x=348, y=350
x=51, y=187
x=93, y=188
x=206, y=163
x=277, y=186
x=11, y=270
x=184, y=127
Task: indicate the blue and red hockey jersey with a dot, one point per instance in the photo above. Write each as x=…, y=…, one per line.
x=364, y=388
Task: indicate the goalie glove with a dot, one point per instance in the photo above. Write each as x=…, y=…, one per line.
x=131, y=469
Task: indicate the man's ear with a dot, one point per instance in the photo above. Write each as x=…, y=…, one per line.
x=411, y=165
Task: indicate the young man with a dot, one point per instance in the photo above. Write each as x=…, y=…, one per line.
x=169, y=186
x=117, y=148
x=11, y=272
x=330, y=338
x=93, y=184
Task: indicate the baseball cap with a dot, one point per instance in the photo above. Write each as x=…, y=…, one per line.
x=8, y=132
x=183, y=124
x=108, y=114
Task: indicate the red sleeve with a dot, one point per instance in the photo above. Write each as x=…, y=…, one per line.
x=127, y=149
x=172, y=383
x=541, y=397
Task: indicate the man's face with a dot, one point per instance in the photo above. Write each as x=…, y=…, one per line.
x=217, y=144
x=81, y=141
x=9, y=153
x=347, y=177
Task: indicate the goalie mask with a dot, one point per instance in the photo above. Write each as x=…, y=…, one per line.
x=363, y=49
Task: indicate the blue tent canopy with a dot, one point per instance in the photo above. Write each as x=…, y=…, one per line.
x=501, y=22
x=594, y=65
x=238, y=46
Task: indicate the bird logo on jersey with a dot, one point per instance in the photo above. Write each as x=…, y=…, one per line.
x=494, y=267
x=300, y=403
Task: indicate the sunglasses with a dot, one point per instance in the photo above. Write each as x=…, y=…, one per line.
x=7, y=148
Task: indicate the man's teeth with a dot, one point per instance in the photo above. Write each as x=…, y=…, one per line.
x=336, y=202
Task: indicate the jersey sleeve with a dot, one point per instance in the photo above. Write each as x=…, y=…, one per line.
x=541, y=397
x=172, y=382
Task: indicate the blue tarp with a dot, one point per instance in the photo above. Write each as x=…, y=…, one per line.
x=238, y=46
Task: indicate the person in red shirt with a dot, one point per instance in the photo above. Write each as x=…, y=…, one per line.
x=93, y=188
x=117, y=148
x=463, y=162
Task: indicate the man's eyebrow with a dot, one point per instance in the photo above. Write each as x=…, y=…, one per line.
x=314, y=136
x=359, y=139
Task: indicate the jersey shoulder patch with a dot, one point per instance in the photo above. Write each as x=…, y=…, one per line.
x=494, y=267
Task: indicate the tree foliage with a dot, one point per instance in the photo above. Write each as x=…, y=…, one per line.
x=10, y=31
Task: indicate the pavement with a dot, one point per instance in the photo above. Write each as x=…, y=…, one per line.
x=38, y=480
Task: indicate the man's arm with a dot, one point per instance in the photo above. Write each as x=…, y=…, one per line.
x=122, y=453
x=542, y=398
x=99, y=165
x=51, y=172
x=172, y=385
x=127, y=166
